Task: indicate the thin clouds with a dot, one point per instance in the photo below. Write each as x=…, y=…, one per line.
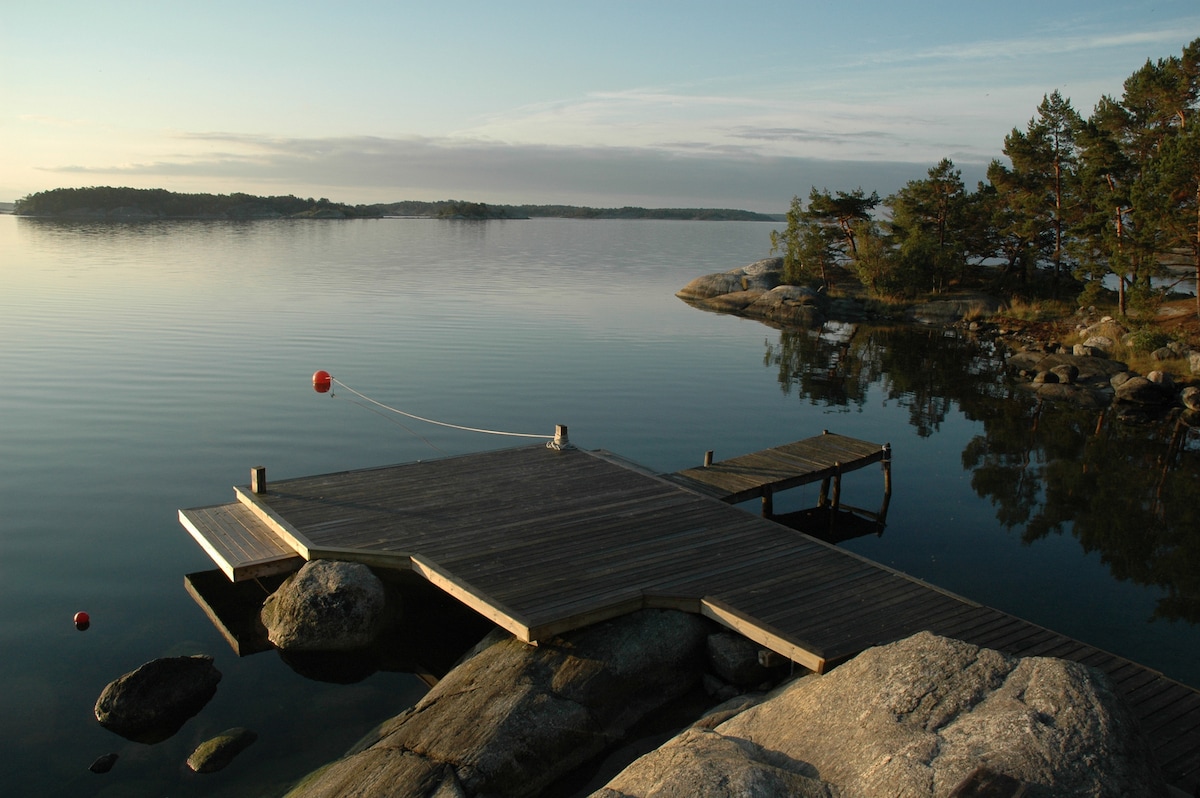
x=393, y=169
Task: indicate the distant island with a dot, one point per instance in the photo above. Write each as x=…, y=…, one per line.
x=137, y=204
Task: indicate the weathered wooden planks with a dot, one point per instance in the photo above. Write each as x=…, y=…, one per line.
x=761, y=474
x=238, y=542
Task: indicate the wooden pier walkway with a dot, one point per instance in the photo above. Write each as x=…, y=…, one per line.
x=542, y=541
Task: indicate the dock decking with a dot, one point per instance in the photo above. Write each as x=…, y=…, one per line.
x=761, y=475
x=542, y=541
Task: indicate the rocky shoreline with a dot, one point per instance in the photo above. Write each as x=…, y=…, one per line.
x=922, y=716
x=1084, y=373
x=663, y=703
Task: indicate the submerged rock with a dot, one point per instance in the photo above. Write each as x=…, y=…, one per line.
x=103, y=764
x=150, y=704
x=216, y=754
x=917, y=717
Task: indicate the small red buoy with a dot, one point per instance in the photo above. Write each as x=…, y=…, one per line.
x=82, y=621
x=322, y=382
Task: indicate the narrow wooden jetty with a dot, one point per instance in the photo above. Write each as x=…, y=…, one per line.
x=542, y=541
x=761, y=475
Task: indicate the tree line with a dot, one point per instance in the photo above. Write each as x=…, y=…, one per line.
x=107, y=202
x=1114, y=197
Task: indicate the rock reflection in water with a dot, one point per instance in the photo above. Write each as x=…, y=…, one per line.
x=1124, y=486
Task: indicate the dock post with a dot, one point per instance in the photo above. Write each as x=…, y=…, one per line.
x=561, y=441
x=768, y=503
x=708, y=458
x=823, y=497
x=837, y=486
x=258, y=480
x=887, y=481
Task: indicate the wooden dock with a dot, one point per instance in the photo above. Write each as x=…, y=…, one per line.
x=761, y=475
x=542, y=541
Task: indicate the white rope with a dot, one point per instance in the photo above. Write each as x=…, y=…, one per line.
x=439, y=423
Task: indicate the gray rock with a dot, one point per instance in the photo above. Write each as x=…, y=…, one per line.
x=1045, y=377
x=1089, y=370
x=1141, y=391
x=1161, y=378
x=1164, y=353
x=1067, y=372
x=326, y=606
x=918, y=717
x=704, y=764
x=513, y=718
x=735, y=659
x=762, y=275
x=1082, y=396
x=710, y=285
x=1190, y=397
x=787, y=305
x=216, y=754
x=1194, y=362
x=1101, y=343
x=150, y=704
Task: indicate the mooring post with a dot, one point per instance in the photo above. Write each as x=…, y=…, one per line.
x=768, y=503
x=258, y=480
x=823, y=496
x=560, y=441
x=708, y=458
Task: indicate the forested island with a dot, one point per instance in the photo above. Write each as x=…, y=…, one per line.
x=130, y=204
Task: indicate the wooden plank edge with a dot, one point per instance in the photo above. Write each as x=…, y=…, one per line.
x=592, y=615
x=747, y=627
x=289, y=534
x=239, y=570
x=465, y=593
x=216, y=556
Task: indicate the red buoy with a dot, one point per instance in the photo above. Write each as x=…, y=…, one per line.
x=322, y=382
x=82, y=621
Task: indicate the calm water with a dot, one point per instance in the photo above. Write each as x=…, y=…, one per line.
x=148, y=367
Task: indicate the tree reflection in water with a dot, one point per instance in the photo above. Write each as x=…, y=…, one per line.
x=1126, y=491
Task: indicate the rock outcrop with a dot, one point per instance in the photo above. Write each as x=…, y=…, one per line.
x=756, y=291
x=1084, y=379
x=914, y=718
x=513, y=718
x=150, y=704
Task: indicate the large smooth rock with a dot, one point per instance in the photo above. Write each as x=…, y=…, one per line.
x=704, y=764
x=150, y=704
x=326, y=606
x=917, y=718
x=513, y=718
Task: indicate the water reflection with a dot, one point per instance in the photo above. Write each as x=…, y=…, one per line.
x=1125, y=491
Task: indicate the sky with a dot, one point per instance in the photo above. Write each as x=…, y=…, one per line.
x=652, y=103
